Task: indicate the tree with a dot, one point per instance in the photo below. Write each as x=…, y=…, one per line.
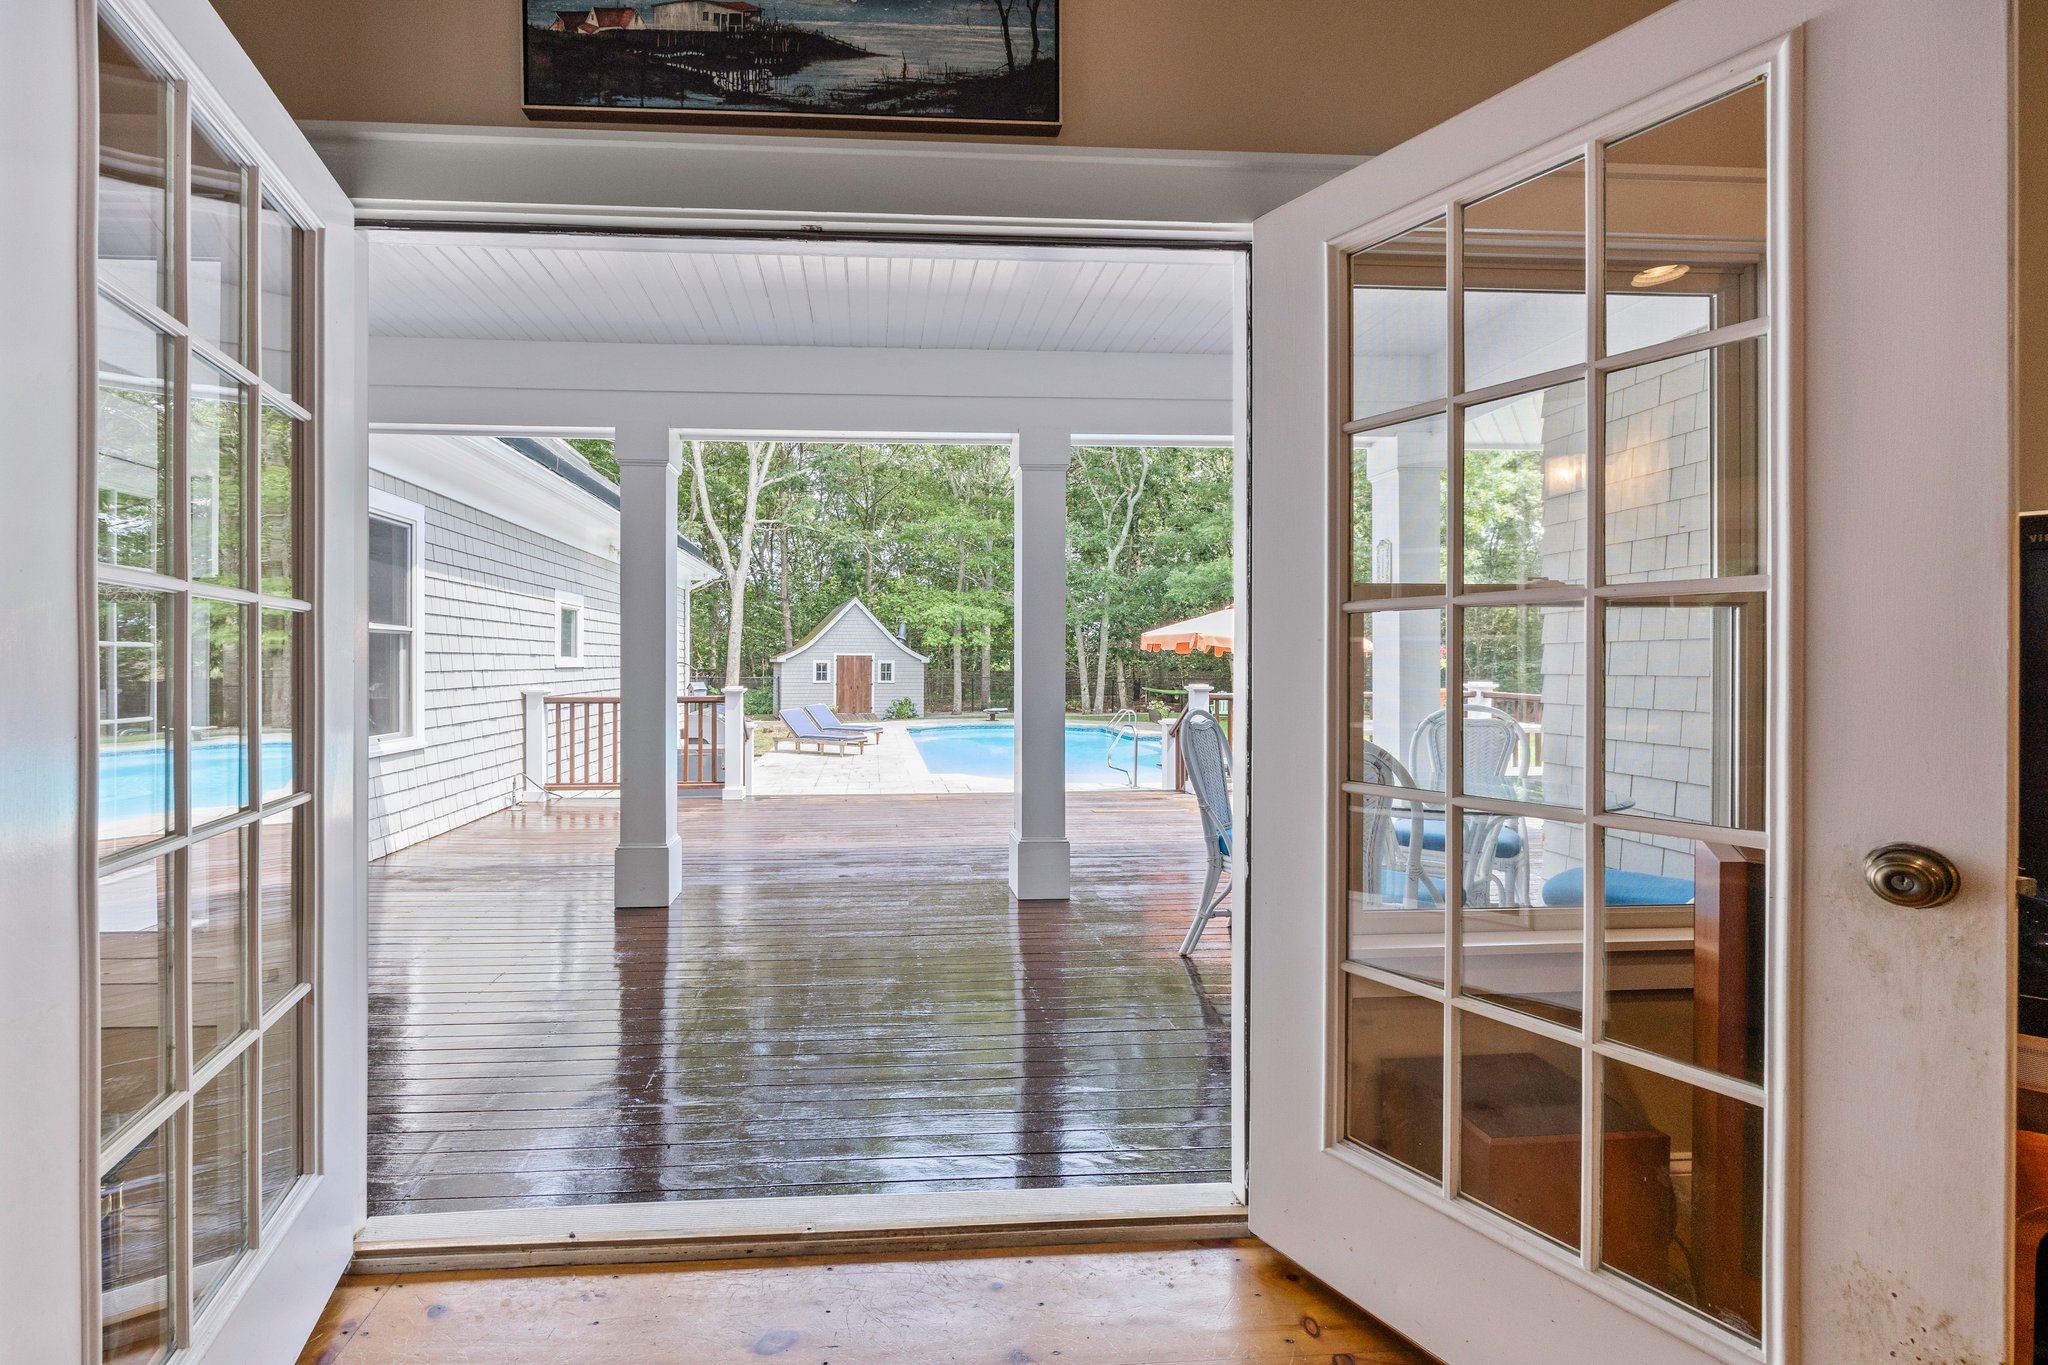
x=1110, y=484
x=1031, y=8
x=731, y=530
x=1003, y=9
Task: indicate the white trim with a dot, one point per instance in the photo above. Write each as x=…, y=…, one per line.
x=569, y=602
x=885, y=671
x=389, y=507
x=821, y=670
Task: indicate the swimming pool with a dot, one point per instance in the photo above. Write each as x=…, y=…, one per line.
x=983, y=748
x=135, y=778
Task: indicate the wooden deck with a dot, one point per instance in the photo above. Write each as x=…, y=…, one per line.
x=845, y=999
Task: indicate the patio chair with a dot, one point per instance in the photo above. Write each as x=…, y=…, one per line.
x=803, y=730
x=1391, y=862
x=1205, y=758
x=1498, y=845
x=828, y=721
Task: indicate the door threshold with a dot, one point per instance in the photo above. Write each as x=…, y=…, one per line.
x=739, y=1229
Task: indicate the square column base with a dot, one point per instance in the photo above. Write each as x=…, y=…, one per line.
x=647, y=876
x=1041, y=869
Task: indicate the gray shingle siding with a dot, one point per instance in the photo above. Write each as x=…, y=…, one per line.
x=853, y=633
x=489, y=634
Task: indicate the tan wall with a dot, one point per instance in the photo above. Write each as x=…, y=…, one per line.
x=1342, y=76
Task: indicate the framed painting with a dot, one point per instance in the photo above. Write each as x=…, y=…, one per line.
x=961, y=66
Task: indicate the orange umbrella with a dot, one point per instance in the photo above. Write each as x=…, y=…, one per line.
x=1212, y=632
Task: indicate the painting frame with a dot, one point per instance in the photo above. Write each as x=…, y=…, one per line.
x=742, y=65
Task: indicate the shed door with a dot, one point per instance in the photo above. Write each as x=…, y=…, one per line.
x=854, y=692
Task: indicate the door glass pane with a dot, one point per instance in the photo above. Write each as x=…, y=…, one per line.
x=1518, y=1146
x=1393, y=1067
x=1683, y=1193
x=1525, y=489
x=218, y=233
x=283, y=1160
x=134, y=176
x=277, y=528
x=390, y=682
x=135, y=1255
x=279, y=670
x=1397, y=509
x=1685, y=709
x=1396, y=665
x=220, y=1177
x=219, y=928
x=1687, y=213
x=279, y=244
x=1525, y=279
x=133, y=469
x=135, y=991
x=277, y=905
x=220, y=715
x=1525, y=691
x=1395, y=899
x=1522, y=941
x=214, y=459
x=1685, y=466
x=1685, y=933
x=390, y=572
x=1398, y=323
x=135, y=789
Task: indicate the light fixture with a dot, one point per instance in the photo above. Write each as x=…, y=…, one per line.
x=1563, y=475
x=1660, y=274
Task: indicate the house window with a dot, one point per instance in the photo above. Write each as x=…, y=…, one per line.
x=397, y=531
x=821, y=671
x=885, y=671
x=568, y=630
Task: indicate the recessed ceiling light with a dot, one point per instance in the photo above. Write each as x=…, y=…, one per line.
x=1660, y=274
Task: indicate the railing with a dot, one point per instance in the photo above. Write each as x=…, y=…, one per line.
x=583, y=739
x=1223, y=705
x=1527, y=710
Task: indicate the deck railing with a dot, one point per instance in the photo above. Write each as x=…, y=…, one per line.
x=583, y=737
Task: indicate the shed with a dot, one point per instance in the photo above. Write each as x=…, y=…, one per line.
x=853, y=664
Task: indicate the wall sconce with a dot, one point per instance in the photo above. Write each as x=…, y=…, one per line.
x=1659, y=274
x=1563, y=474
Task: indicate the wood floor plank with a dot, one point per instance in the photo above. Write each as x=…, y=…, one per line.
x=844, y=999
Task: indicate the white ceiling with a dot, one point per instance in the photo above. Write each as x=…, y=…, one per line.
x=565, y=288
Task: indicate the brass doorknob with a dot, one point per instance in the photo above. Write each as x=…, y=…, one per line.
x=1912, y=875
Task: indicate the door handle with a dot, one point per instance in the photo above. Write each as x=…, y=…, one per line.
x=1912, y=875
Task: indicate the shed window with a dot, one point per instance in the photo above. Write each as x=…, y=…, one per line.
x=885, y=671
x=821, y=671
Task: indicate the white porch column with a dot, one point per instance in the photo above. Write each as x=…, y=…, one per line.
x=739, y=754
x=1406, y=473
x=1040, y=857
x=648, y=868
x=533, y=729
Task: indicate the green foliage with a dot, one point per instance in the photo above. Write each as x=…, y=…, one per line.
x=761, y=701
x=903, y=708
x=1504, y=544
x=597, y=451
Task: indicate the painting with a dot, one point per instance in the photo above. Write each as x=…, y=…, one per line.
x=966, y=66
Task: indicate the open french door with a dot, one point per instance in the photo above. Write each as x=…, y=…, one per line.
x=184, y=1152
x=1657, y=412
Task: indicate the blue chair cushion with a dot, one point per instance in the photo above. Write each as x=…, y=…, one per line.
x=1394, y=888
x=1623, y=888
x=1508, y=844
x=1223, y=843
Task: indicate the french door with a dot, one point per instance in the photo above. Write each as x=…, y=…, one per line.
x=1541, y=856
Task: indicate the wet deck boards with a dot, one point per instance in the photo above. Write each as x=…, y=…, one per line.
x=845, y=999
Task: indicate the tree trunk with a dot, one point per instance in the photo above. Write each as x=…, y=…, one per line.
x=788, y=628
x=1031, y=8
x=987, y=648
x=1009, y=48
x=1123, y=686
x=959, y=700
x=1102, y=663
x=1081, y=664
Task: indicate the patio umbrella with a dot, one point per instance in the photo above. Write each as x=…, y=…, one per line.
x=1212, y=632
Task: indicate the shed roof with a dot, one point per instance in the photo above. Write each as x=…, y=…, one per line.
x=844, y=607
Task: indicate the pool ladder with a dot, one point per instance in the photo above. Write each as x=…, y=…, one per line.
x=1124, y=725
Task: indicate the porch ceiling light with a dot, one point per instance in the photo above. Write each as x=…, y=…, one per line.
x=1660, y=274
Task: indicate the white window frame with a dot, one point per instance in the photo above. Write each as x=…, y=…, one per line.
x=390, y=507
x=569, y=601
x=885, y=671
x=821, y=670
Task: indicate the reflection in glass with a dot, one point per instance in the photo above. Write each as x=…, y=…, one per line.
x=277, y=905
x=390, y=688
x=277, y=528
x=219, y=928
x=1518, y=1144
x=1682, y=1195
x=1523, y=949
x=135, y=991
x=133, y=469
x=135, y=788
x=1394, y=917
x=1395, y=663
x=278, y=667
x=1397, y=509
x=279, y=241
x=1686, y=223
x=1684, y=467
x=218, y=232
x=220, y=1177
x=1685, y=934
x=135, y=1256
x=1393, y=1068
x=220, y=716
x=1525, y=489
x=1398, y=323
x=1525, y=694
x=134, y=175
x=1525, y=279
x=213, y=457
x=1685, y=709
x=282, y=1158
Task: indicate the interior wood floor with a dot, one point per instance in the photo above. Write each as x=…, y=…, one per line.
x=844, y=999
x=1127, y=1305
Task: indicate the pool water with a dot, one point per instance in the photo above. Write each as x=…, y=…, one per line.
x=135, y=779
x=984, y=748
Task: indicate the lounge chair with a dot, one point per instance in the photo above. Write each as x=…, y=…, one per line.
x=1205, y=757
x=803, y=730
x=828, y=721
